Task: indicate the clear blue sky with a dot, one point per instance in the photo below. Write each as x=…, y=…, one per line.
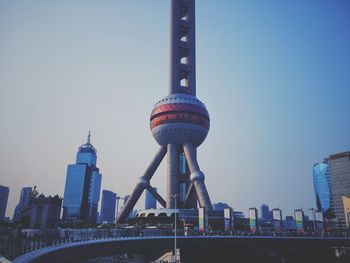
x=273, y=74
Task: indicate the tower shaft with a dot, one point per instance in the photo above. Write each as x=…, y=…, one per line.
x=182, y=47
x=182, y=80
x=173, y=165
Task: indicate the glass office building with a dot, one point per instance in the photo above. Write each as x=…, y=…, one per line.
x=83, y=185
x=108, y=206
x=4, y=195
x=265, y=212
x=339, y=171
x=332, y=183
x=322, y=186
x=23, y=202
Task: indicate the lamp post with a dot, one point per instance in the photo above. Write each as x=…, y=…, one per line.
x=175, y=196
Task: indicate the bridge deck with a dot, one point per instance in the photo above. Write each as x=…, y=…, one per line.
x=151, y=246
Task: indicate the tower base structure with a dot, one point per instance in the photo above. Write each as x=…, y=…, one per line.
x=197, y=185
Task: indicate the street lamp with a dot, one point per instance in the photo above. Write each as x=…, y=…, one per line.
x=175, y=196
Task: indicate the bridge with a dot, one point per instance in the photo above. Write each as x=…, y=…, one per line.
x=200, y=249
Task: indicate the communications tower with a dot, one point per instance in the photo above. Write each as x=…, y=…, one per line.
x=179, y=123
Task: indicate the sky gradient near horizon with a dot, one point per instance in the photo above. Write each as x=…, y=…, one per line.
x=275, y=76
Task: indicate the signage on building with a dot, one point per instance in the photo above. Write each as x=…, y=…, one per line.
x=252, y=219
x=299, y=220
x=277, y=219
x=202, y=220
x=319, y=220
x=228, y=220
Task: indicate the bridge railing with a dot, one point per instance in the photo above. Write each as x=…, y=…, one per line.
x=15, y=242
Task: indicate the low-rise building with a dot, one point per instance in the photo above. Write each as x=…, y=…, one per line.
x=45, y=212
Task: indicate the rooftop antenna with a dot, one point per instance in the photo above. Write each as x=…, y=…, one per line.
x=88, y=138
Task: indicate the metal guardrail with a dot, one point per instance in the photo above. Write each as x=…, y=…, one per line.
x=47, y=250
x=41, y=255
x=16, y=242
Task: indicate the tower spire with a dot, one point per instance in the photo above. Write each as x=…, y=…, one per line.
x=182, y=47
x=88, y=138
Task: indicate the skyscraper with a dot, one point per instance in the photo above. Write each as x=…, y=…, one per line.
x=83, y=185
x=331, y=183
x=4, y=195
x=339, y=171
x=265, y=212
x=150, y=200
x=322, y=188
x=23, y=202
x=108, y=206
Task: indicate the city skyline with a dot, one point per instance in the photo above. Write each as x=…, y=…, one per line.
x=280, y=100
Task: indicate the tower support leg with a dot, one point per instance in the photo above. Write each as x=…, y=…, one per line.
x=156, y=195
x=189, y=195
x=197, y=177
x=141, y=185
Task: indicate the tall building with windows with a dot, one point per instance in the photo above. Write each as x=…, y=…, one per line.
x=108, y=206
x=23, y=202
x=83, y=186
x=265, y=212
x=4, y=195
x=331, y=183
x=150, y=200
x=339, y=171
x=322, y=188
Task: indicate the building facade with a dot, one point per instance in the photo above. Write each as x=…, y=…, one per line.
x=4, y=195
x=265, y=212
x=45, y=212
x=22, y=204
x=331, y=180
x=108, y=207
x=83, y=186
x=346, y=203
x=220, y=206
x=322, y=188
x=150, y=200
x=339, y=171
